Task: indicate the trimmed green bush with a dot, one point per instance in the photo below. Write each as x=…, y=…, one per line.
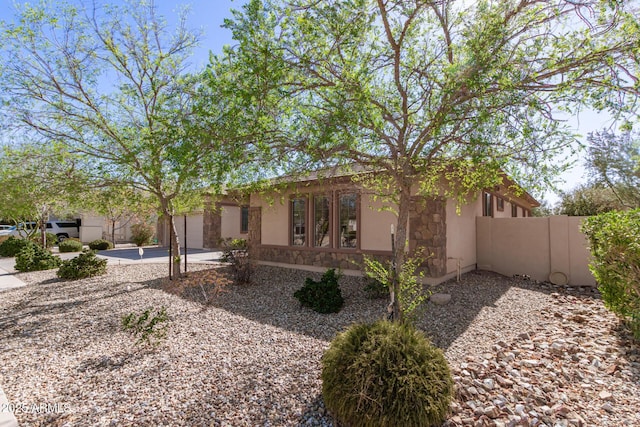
x=100, y=245
x=86, y=264
x=12, y=246
x=614, y=241
x=142, y=233
x=34, y=258
x=70, y=245
x=386, y=374
x=323, y=296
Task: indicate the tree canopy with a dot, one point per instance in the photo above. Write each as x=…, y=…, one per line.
x=110, y=83
x=614, y=162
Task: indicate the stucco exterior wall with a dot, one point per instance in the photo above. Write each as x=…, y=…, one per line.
x=274, y=227
x=376, y=225
x=549, y=248
x=194, y=230
x=230, y=226
x=461, y=235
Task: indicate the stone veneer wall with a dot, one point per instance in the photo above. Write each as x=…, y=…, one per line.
x=428, y=228
x=329, y=259
x=254, y=238
x=212, y=225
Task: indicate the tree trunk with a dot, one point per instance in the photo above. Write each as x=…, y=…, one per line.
x=399, y=247
x=175, y=247
x=113, y=233
x=44, y=217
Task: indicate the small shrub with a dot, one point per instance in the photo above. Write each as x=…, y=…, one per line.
x=12, y=246
x=148, y=327
x=70, y=245
x=386, y=374
x=323, y=296
x=236, y=253
x=615, y=246
x=86, y=264
x=100, y=245
x=142, y=233
x=52, y=239
x=34, y=258
x=412, y=295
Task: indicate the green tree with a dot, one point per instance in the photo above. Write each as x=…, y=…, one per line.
x=110, y=84
x=614, y=162
x=118, y=204
x=36, y=182
x=587, y=200
x=424, y=90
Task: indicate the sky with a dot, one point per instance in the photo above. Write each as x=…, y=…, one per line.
x=209, y=15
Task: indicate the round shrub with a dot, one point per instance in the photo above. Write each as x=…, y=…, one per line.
x=100, y=245
x=142, y=233
x=386, y=374
x=323, y=296
x=70, y=245
x=34, y=258
x=12, y=246
x=86, y=264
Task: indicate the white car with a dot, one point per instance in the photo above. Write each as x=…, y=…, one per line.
x=6, y=230
x=62, y=229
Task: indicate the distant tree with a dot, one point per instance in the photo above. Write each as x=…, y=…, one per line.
x=545, y=209
x=587, y=200
x=426, y=91
x=109, y=83
x=37, y=181
x=614, y=162
x=118, y=204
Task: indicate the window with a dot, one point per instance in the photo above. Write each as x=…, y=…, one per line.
x=514, y=210
x=500, y=204
x=298, y=220
x=348, y=232
x=321, y=225
x=244, y=219
x=487, y=204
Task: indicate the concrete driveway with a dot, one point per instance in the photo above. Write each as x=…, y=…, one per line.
x=117, y=256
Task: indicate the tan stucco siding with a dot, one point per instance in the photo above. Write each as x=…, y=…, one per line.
x=194, y=230
x=461, y=234
x=230, y=222
x=375, y=224
x=275, y=220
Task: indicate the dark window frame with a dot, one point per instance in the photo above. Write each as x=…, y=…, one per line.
x=293, y=203
x=487, y=204
x=328, y=233
x=244, y=219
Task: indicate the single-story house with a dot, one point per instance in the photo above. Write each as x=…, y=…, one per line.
x=225, y=217
x=316, y=224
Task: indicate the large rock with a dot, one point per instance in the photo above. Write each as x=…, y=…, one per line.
x=440, y=299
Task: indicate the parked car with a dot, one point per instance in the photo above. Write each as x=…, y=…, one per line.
x=62, y=229
x=6, y=230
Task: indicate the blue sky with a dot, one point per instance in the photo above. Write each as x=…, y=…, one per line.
x=208, y=15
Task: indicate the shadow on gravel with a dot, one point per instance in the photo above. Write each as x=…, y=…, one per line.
x=269, y=300
x=50, y=308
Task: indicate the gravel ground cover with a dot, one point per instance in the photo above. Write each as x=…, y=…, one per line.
x=522, y=353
